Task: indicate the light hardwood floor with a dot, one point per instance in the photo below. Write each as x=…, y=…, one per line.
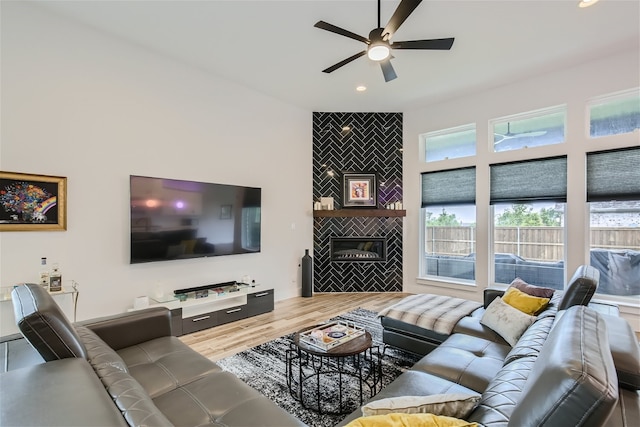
x=288, y=316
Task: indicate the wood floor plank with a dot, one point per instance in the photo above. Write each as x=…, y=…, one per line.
x=288, y=316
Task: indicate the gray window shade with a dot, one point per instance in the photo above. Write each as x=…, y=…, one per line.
x=613, y=175
x=526, y=181
x=450, y=187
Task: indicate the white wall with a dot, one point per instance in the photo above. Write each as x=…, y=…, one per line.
x=570, y=86
x=80, y=104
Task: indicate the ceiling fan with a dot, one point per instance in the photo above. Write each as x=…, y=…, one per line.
x=379, y=43
x=501, y=137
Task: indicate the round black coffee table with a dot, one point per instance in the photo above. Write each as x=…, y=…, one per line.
x=314, y=371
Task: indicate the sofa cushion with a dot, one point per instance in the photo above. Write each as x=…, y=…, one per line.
x=58, y=393
x=43, y=323
x=414, y=383
x=451, y=405
x=577, y=361
x=531, y=341
x=221, y=399
x=471, y=325
x=132, y=400
x=625, y=351
x=99, y=354
x=533, y=290
x=465, y=360
x=507, y=321
x=524, y=302
x=414, y=420
x=164, y=364
x=134, y=403
x=502, y=394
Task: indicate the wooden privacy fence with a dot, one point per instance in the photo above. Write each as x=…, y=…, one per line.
x=531, y=243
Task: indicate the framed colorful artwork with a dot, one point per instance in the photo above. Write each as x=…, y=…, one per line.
x=32, y=202
x=359, y=190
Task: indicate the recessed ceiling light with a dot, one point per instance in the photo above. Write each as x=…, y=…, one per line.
x=587, y=3
x=361, y=88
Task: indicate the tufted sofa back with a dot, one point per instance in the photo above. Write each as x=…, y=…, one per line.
x=44, y=325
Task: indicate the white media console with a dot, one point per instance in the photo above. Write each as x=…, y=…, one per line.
x=222, y=304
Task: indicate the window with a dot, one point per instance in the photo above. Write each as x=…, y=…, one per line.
x=449, y=212
x=533, y=129
x=613, y=193
x=614, y=114
x=449, y=143
x=528, y=200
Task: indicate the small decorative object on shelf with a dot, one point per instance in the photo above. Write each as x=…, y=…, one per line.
x=326, y=203
x=55, y=279
x=202, y=294
x=44, y=273
x=396, y=205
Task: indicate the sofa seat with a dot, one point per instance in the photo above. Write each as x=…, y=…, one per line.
x=59, y=393
x=164, y=364
x=220, y=399
x=465, y=360
x=417, y=383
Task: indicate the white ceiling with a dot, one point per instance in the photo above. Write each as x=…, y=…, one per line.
x=272, y=46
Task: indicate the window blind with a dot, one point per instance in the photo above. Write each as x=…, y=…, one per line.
x=530, y=180
x=449, y=187
x=613, y=175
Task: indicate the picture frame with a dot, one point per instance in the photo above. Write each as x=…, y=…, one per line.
x=359, y=189
x=32, y=202
x=225, y=212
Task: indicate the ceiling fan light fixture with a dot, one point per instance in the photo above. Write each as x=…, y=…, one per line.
x=378, y=52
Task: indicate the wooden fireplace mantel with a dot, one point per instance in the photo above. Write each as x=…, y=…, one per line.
x=351, y=213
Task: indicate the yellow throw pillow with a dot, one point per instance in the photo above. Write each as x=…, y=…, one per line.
x=525, y=303
x=413, y=420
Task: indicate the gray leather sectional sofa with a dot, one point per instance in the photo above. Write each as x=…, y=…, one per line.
x=574, y=366
x=125, y=370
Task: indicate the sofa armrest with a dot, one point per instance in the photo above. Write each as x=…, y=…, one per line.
x=491, y=294
x=127, y=329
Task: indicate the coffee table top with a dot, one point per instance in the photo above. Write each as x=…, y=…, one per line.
x=354, y=346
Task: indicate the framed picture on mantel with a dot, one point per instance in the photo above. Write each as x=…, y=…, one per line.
x=359, y=189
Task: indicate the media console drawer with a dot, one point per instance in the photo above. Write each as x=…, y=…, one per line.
x=260, y=302
x=232, y=314
x=200, y=322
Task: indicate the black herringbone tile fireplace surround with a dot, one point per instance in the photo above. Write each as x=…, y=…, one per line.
x=371, y=143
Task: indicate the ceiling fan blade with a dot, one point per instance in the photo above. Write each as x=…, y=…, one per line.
x=387, y=70
x=344, y=62
x=337, y=30
x=435, y=44
x=402, y=12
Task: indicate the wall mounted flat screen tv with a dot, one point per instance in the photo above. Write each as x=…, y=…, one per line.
x=173, y=219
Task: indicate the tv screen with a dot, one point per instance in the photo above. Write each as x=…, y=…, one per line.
x=173, y=219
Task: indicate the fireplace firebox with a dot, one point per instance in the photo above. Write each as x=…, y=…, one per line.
x=358, y=249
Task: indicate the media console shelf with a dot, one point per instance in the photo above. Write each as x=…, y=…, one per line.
x=223, y=304
x=350, y=213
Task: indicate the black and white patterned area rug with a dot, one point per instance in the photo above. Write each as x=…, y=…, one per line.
x=264, y=368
